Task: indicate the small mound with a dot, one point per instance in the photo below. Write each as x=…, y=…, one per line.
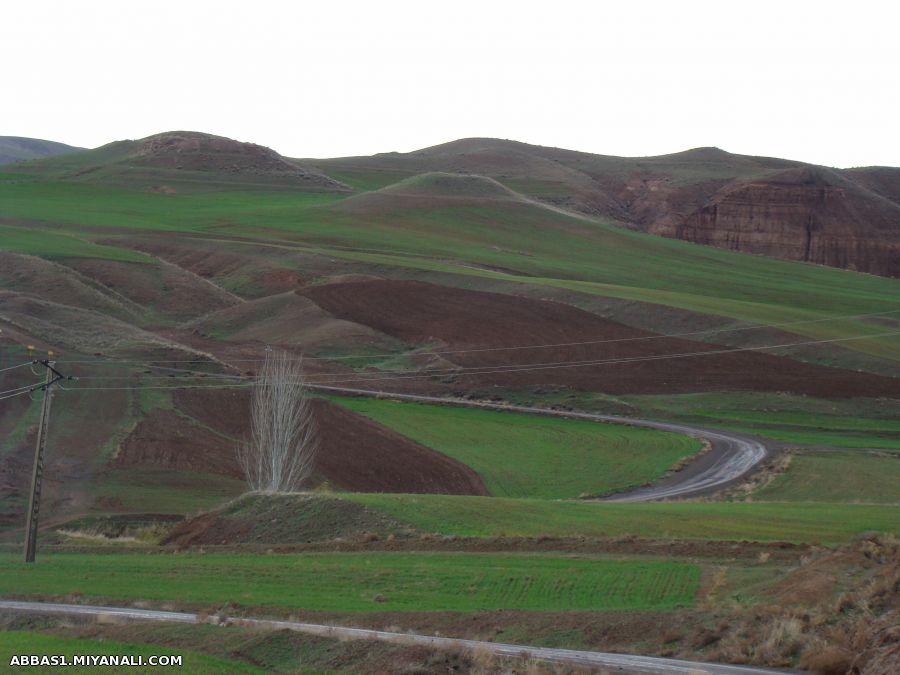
x=177, y=161
x=283, y=519
x=291, y=320
x=440, y=184
x=165, y=288
x=702, y=154
x=196, y=151
x=431, y=189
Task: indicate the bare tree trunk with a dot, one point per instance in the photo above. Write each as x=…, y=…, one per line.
x=280, y=453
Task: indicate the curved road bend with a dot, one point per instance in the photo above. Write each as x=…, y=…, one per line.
x=731, y=455
x=622, y=663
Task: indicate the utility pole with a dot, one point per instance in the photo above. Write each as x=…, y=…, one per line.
x=34, y=503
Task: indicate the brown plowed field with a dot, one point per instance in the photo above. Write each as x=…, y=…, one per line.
x=418, y=312
x=355, y=452
x=166, y=439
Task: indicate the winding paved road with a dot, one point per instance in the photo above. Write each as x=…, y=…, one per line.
x=622, y=663
x=730, y=456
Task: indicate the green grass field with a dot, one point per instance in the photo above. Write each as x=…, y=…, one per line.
x=19, y=642
x=521, y=455
x=837, y=477
x=162, y=491
x=556, y=250
x=842, y=423
x=56, y=244
x=492, y=516
x=356, y=582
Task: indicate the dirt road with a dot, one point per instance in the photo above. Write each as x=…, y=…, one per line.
x=730, y=457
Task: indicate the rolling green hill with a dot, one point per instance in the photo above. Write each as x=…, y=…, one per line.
x=18, y=149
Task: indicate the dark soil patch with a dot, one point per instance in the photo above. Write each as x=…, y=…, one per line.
x=421, y=313
x=355, y=452
x=166, y=439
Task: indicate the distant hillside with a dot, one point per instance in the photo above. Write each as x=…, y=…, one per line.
x=18, y=148
x=185, y=160
x=782, y=208
x=762, y=205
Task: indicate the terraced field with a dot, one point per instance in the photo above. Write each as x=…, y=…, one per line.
x=361, y=582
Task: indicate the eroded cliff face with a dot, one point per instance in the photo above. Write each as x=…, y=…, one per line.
x=776, y=207
x=807, y=214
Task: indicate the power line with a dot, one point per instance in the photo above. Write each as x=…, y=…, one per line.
x=21, y=393
x=21, y=365
x=570, y=363
x=574, y=364
x=485, y=370
x=26, y=388
x=711, y=331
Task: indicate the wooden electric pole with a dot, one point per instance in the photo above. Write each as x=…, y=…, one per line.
x=37, y=473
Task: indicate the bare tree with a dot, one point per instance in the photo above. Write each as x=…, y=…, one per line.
x=280, y=453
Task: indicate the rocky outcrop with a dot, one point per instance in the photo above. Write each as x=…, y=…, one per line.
x=807, y=214
x=764, y=205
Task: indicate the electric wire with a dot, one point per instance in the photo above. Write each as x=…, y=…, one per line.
x=378, y=377
x=27, y=386
x=457, y=369
x=21, y=365
x=711, y=331
x=21, y=393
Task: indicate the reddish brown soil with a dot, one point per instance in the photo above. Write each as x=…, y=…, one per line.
x=418, y=312
x=362, y=455
x=165, y=288
x=278, y=280
x=808, y=214
x=355, y=452
x=166, y=439
x=70, y=456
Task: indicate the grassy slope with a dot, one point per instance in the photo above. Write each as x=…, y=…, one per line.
x=850, y=423
x=557, y=250
x=56, y=244
x=350, y=582
x=25, y=642
x=837, y=477
x=529, y=456
x=164, y=491
x=492, y=516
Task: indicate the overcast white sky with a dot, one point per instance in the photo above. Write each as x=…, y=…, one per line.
x=816, y=81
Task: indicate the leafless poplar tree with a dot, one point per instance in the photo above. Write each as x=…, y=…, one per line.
x=283, y=442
